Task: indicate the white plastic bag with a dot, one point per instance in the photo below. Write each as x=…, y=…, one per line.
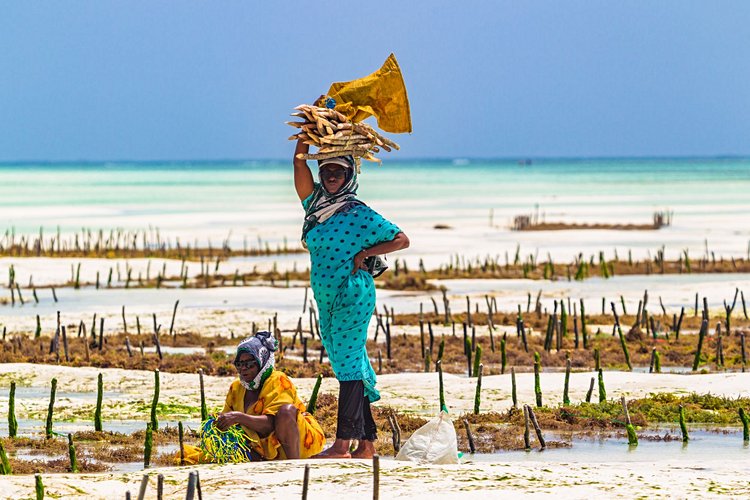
x=435, y=443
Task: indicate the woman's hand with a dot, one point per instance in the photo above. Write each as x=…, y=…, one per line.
x=227, y=420
x=359, y=261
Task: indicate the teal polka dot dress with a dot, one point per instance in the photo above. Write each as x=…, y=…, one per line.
x=346, y=301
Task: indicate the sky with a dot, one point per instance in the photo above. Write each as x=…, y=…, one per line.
x=106, y=80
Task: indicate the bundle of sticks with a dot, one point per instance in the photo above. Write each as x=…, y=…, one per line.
x=335, y=135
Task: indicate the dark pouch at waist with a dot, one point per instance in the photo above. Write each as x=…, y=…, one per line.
x=375, y=265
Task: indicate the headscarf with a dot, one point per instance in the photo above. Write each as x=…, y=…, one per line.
x=324, y=204
x=261, y=347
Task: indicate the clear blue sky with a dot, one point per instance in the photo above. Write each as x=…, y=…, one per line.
x=152, y=80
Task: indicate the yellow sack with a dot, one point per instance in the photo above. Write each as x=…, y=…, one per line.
x=381, y=94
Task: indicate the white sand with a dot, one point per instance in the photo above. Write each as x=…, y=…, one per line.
x=353, y=479
x=696, y=476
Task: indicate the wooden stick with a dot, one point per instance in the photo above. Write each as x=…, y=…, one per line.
x=305, y=482
x=537, y=429
x=469, y=436
x=375, y=477
x=142, y=489
x=192, y=480
x=526, y=433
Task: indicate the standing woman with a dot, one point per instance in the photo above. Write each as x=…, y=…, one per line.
x=341, y=232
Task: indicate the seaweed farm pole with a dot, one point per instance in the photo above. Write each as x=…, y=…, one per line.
x=602, y=390
x=191, y=486
x=12, y=422
x=526, y=433
x=537, y=385
x=142, y=489
x=181, y=436
x=679, y=324
x=375, y=477
x=38, y=331
x=623, y=344
x=204, y=409
x=701, y=335
x=503, y=356
x=441, y=387
x=683, y=427
x=38, y=487
x=65, y=343
x=537, y=429
x=148, y=446
x=154, y=419
x=72, y=454
x=174, y=313
x=53, y=391
x=477, y=360
x=584, y=333
x=657, y=361
x=513, y=395
x=632, y=437
x=5, y=468
x=566, y=398
x=305, y=482
x=590, y=391
x=478, y=393
x=395, y=433
x=99, y=397
x=597, y=359
x=745, y=425
x=388, y=339
x=314, y=396
x=159, y=486
x=469, y=437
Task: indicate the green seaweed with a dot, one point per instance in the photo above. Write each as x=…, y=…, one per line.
x=12, y=422
x=99, y=396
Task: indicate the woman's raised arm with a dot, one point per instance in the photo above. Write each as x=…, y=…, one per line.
x=303, y=179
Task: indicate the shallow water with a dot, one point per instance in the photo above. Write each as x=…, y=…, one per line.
x=676, y=291
x=31, y=428
x=704, y=445
x=245, y=200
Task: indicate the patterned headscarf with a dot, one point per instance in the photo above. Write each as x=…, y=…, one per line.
x=261, y=347
x=324, y=204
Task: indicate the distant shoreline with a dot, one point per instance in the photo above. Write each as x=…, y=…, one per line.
x=458, y=161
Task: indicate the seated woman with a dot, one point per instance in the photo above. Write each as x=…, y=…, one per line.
x=264, y=402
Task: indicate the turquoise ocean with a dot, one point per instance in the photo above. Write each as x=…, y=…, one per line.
x=710, y=198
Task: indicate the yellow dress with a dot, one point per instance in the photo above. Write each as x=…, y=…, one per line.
x=276, y=392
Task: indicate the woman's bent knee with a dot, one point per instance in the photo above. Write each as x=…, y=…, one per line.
x=286, y=415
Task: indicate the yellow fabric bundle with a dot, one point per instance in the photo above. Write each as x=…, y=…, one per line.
x=381, y=94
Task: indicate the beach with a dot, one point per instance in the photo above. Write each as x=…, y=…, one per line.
x=244, y=219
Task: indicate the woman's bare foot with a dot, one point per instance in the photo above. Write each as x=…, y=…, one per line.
x=339, y=449
x=366, y=449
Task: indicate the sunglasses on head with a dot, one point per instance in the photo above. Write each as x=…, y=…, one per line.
x=250, y=363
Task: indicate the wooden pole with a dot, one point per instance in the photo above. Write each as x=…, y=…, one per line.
x=478, y=393
x=469, y=436
x=99, y=398
x=526, y=433
x=537, y=429
x=53, y=390
x=537, y=384
x=632, y=436
x=306, y=482
x=375, y=477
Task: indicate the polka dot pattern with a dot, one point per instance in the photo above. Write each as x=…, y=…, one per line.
x=345, y=300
